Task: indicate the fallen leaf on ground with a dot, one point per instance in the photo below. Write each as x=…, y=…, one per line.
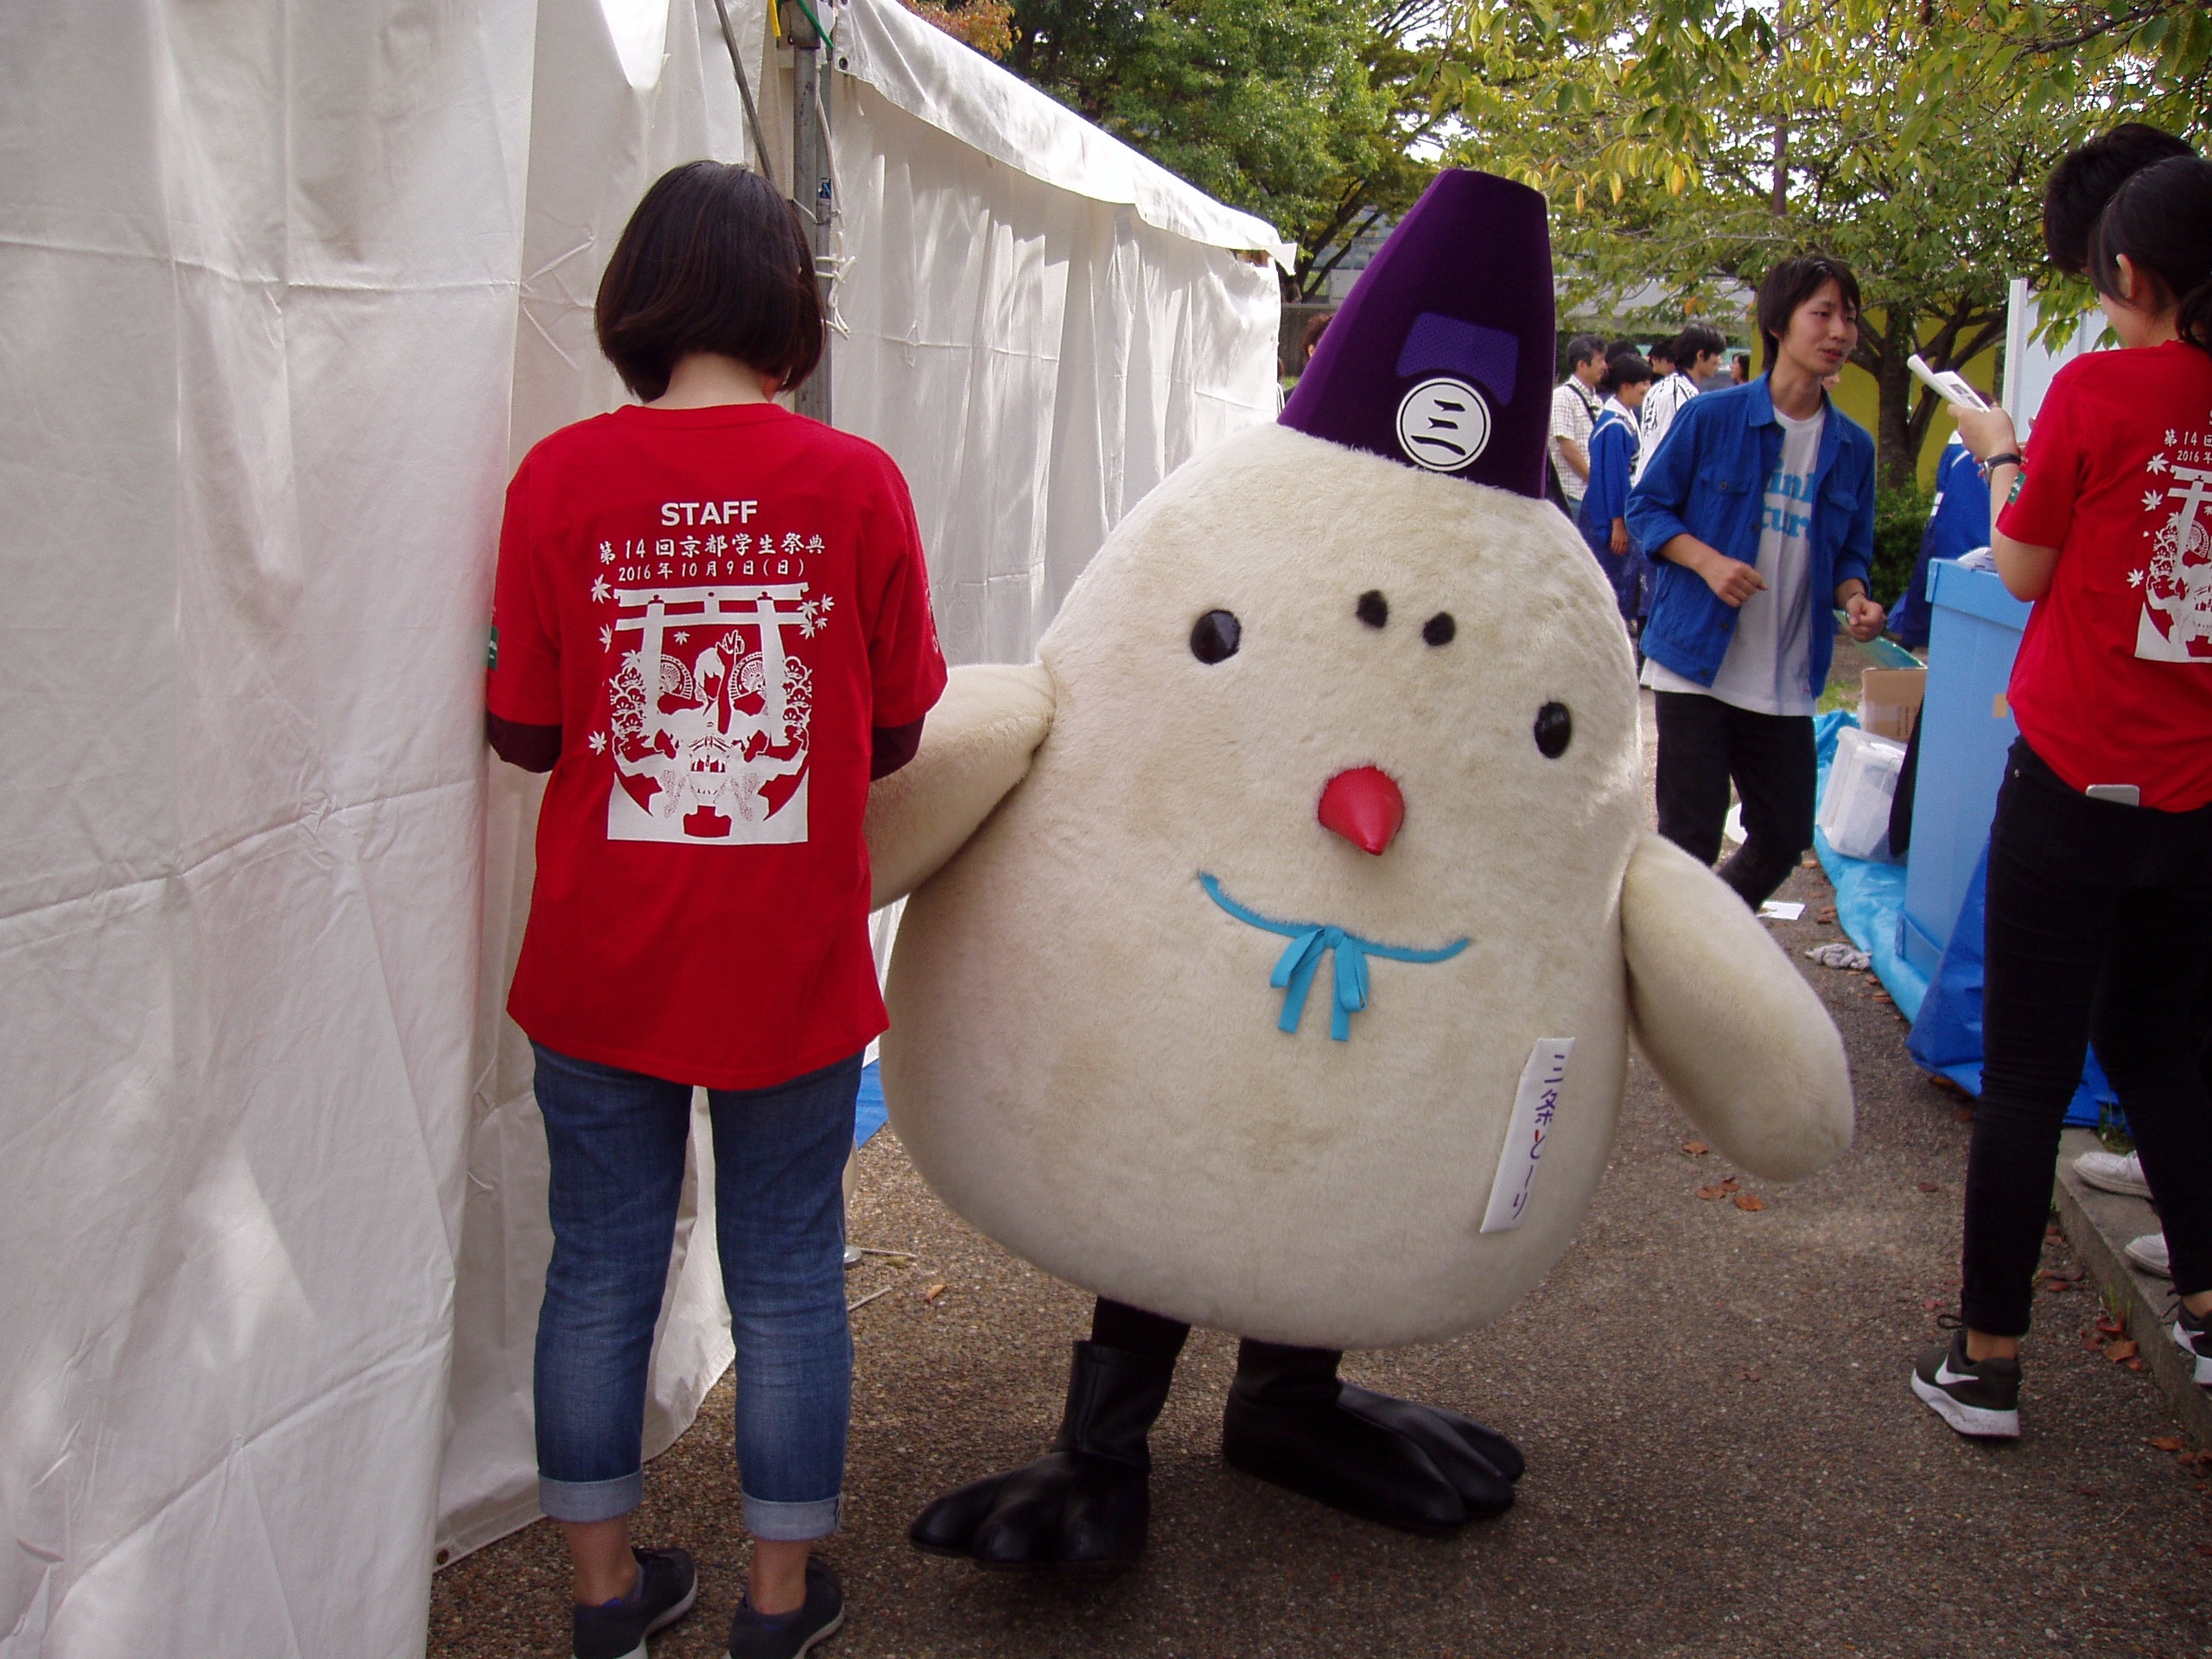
x=2092, y=1341
x=1930, y=1186
x=2167, y=1443
x=2109, y=1325
x=1750, y=1201
x=1695, y=1148
x=1930, y=1303
x=2122, y=1349
x=1728, y=1186
x=933, y=1294
x=1753, y=1374
x=1709, y=1193
x=2134, y=1365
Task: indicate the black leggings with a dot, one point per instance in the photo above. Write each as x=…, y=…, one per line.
x=2099, y=926
x=1704, y=745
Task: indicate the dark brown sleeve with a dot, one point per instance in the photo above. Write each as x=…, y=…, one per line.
x=534, y=748
x=894, y=747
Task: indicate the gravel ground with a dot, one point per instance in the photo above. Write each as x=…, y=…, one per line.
x=1724, y=1454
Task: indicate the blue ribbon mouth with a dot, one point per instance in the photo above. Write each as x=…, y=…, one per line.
x=1301, y=960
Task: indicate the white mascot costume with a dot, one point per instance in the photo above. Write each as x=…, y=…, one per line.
x=1276, y=941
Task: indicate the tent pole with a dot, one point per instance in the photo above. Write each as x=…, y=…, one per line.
x=745, y=92
x=811, y=186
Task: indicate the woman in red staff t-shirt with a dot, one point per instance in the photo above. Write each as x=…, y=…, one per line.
x=2099, y=902
x=712, y=624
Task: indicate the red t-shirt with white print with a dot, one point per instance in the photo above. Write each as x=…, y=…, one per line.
x=717, y=606
x=2113, y=683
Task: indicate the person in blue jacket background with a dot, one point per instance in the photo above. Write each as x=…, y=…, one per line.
x=1602, y=520
x=1957, y=523
x=1759, y=507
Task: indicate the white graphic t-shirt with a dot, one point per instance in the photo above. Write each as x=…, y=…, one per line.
x=1770, y=653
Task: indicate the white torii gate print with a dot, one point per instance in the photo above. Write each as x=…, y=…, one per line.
x=705, y=733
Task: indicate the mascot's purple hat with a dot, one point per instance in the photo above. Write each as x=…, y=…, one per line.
x=1442, y=357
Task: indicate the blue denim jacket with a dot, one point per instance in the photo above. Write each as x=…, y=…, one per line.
x=1709, y=479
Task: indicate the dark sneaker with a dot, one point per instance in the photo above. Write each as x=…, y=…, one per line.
x=2194, y=1332
x=667, y=1586
x=1978, y=1397
x=821, y=1616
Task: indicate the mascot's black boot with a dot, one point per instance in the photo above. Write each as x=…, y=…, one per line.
x=1085, y=1502
x=1291, y=1421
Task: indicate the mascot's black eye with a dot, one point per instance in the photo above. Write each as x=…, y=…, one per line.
x=1372, y=609
x=1554, y=729
x=1440, y=628
x=1214, y=636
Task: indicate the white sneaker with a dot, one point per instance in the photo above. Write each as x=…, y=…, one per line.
x=2114, y=1171
x=2149, y=1253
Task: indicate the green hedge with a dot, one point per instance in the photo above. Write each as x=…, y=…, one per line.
x=1900, y=516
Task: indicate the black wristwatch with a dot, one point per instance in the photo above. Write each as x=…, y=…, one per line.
x=2008, y=457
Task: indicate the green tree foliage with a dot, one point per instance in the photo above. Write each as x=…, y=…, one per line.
x=1315, y=115
x=1688, y=145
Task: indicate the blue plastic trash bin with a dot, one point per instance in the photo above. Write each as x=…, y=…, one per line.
x=1965, y=730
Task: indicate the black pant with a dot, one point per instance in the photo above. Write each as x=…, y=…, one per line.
x=1705, y=744
x=1158, y=1339
x=2099, y=926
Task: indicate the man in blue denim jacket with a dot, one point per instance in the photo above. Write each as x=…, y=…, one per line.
x=1758, y=507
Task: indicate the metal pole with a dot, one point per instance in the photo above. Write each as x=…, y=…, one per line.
x=811, y=176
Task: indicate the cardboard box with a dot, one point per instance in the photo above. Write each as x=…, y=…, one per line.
x=1889, y=699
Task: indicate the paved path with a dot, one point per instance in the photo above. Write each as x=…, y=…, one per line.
x=1724, y=1455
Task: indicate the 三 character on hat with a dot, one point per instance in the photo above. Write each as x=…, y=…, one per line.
x=1275, y=942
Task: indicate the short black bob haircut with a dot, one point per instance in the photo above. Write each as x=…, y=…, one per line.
x=2082, y=183
x=713, y=260
x=1792, y=283
x=1626, y=370
x=2161, y=219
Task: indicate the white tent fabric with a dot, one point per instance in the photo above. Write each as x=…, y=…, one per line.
x=258, y=281
x=284, y=291
x=622, y=91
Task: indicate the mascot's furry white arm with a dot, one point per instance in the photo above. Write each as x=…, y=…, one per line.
x=1734, y=1030
x=976, y=747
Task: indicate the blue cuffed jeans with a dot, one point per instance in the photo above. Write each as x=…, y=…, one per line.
x=617, y=1143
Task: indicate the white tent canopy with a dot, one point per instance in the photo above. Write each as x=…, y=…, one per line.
x=284, y=292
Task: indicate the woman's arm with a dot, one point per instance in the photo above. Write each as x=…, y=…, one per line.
x=2024, y=568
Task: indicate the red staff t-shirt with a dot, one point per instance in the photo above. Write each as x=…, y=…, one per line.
x=2113, y=683
x=716, y=606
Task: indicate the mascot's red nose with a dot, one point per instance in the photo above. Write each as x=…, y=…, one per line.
x=1364, y=807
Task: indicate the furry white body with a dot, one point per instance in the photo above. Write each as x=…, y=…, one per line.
x=1085, y=1059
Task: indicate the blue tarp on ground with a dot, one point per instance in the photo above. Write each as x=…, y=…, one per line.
x=1946, y=1013
x=868, y=1111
